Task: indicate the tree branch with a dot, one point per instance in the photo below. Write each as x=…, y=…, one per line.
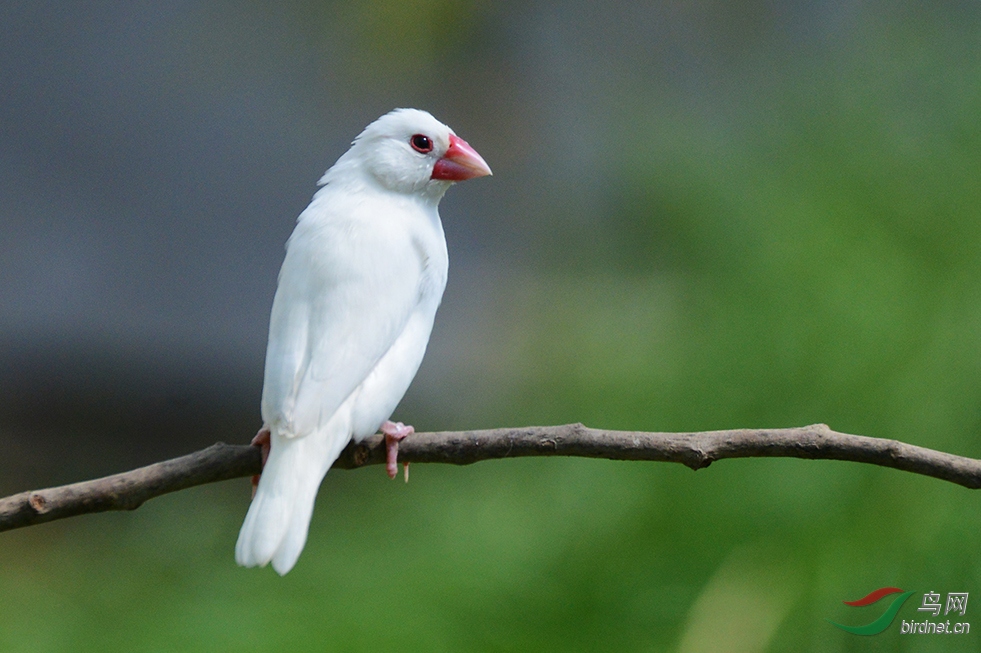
x=127, y=491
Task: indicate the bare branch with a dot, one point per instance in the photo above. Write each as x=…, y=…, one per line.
x=219, y=462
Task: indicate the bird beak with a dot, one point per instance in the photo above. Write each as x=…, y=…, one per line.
x=460, y=162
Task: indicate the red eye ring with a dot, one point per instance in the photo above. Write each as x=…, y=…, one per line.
x=421, y=143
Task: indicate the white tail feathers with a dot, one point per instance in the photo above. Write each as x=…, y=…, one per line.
x=276, y=526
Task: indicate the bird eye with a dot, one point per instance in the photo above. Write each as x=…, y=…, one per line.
x=422, y=144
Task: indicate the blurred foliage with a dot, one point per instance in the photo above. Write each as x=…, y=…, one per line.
x=808, y=253
x=396, y=42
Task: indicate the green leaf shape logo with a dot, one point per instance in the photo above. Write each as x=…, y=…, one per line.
x=882, y=622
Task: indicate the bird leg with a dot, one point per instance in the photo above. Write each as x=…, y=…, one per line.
x=395, y=432
x=262, y=441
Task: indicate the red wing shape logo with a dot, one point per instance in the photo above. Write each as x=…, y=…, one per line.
x=887, y=617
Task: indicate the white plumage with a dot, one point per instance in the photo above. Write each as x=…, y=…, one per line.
x=363, y=276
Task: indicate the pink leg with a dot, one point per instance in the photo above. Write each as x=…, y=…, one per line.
x=262, y=441
x=395, y=432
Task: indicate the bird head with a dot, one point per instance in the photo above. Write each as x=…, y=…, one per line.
x=409, y=151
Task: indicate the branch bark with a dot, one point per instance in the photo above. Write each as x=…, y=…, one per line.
x=128, y=491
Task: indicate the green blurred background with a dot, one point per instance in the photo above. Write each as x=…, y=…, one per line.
x=704, y=215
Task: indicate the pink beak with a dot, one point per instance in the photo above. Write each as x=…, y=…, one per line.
x=460, y=162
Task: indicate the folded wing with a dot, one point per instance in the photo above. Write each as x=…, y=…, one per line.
x=333, y=319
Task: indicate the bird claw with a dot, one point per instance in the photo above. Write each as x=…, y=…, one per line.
x=395, y=432
x=261, y=440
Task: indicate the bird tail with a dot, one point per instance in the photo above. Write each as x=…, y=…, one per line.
x=275, y=529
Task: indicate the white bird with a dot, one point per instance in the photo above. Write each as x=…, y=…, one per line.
x=363, y=276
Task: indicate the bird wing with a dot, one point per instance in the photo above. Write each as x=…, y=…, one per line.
x=338, y=309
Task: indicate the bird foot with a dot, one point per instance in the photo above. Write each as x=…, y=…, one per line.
x=395, y=432
x=261, y=440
